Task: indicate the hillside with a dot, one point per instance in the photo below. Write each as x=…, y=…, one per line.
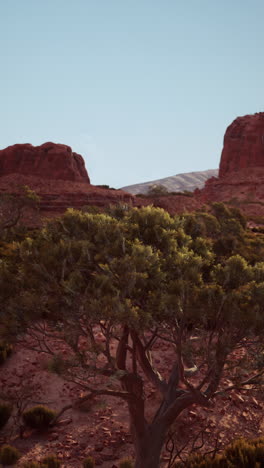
x=177, y=183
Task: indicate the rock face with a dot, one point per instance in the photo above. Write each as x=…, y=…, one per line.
x=48, y=161
x=57, y=175
x=241, y=173
x=243, y=144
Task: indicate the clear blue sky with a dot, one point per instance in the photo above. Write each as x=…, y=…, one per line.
x=143, y=89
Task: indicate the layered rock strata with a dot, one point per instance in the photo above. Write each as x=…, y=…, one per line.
x=243, y=145
x=57, y=175
x=241, y=172
x=48, y=161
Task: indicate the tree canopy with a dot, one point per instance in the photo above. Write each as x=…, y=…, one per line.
x=141, y=278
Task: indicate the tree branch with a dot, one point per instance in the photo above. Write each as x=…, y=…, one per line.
x=121, y=352
x=250, y=381
x=146, y=366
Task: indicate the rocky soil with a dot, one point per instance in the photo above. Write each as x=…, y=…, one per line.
x=102, y=429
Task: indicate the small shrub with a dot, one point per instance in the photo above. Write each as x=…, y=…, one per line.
x=8, y=455
x=51, y=461
x=104, y=186
x=156, y=190
x=185, y=193
x=56, y=364
x=91, y=209
x=241, y=453
x=88, y=462
x=5, y=351
x=126, y=463
x=245, y=453
x=5, y=413
x=38, y=417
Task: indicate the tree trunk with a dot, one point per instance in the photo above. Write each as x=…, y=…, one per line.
x=148, y=447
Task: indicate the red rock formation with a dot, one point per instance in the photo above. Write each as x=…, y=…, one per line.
x=57, y=175
x=241, y=173
x=243, y=144
x=48, y=161
x=60, y=179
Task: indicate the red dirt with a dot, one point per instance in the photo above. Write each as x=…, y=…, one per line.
x=103, y=430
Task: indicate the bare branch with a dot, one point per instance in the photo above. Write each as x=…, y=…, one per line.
x=251, y=381
x=146, y=366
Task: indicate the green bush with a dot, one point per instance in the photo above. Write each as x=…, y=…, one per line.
x=246, y=453
x=51, y=461
x=56, y=364
x=126, y=463
x=8, y=455
x=5, y=351
x=198, y=461
x=156, y=190
x=38, y=417
x=104, y=186
x=240, y=454
x=5, y=413
x=88, y=462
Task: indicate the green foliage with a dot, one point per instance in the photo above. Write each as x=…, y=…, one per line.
x=241, y=453
x=50, y=461
x=38, y=417
x=56, y=364
x=91, y=209
x=246, y=453
x=118, y=211
x=161, y=191
x=126, y=463
x=105, y=186
x=185, y=193
x=5, y=351
x=226, y=228
x=12, y=208
x=88, y=462
x=5, y=413
x=225, y=246
x=133, y=272
x=156, y=190
x=8, y=455
x=201, y=225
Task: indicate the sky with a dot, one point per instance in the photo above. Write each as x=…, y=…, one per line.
x=142, y=89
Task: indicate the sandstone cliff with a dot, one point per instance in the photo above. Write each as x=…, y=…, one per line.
x=241, y=173
x=48, y=161
x=243, y=145
x=57, y=175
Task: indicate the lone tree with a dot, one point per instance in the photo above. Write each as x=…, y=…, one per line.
x=156, y=190
x=142, y=282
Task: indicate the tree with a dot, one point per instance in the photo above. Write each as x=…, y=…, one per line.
x=14, y=206
x=157, y=190
x=141, y=282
